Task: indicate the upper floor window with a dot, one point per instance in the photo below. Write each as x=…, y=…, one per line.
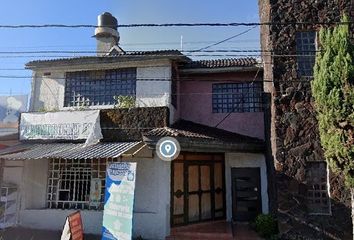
x=306, y=52
x=237, y=97
x=89, y=88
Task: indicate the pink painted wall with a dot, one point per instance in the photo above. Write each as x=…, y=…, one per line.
x=196, y=105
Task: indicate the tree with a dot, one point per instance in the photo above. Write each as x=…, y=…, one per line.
x=333, y=91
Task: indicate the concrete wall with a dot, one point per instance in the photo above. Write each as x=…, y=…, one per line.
x=151, y=208
x=196, y=106
x=245, y=160
x=154, y=93
x=48, y=91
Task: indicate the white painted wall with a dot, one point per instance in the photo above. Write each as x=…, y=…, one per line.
x=244, y=160
x=48, y=91
x=151, y=207
x=13, y=175
x=153, y=93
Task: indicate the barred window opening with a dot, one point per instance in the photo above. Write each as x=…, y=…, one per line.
x=76, y=184
x=318, y=201
x=90, y=88
x=237, y=97
x=306, y=52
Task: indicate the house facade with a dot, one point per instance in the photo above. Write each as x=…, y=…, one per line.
x=215, y=110
x=313, y=202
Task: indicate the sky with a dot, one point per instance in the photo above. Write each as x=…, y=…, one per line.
x=14, y=79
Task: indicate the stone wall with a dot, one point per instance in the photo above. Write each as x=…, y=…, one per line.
x=129, y=124
x=295, y=137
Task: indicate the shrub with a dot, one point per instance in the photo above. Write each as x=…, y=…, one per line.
x=124, y=101
x=266, y=225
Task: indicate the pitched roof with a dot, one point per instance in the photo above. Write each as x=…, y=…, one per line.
x=222, y=63
x=195, y=131
x=112, y=58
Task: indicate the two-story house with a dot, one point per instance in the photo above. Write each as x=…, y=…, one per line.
x=214, y=108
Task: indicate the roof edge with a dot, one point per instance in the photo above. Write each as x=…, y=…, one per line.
x=221, y=69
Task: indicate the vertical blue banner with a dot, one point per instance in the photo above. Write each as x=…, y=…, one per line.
x=119, y=201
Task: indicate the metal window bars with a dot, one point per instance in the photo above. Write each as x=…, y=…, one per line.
x=69, y=183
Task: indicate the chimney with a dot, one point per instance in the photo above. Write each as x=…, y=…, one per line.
x=106, y=33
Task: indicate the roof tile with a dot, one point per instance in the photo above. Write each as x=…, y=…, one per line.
x=187, y=129
x=221, y=63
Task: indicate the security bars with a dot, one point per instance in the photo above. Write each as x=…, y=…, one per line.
x=69, y=183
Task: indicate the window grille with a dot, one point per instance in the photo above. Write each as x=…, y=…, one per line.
x=237, y=97
x=318, y=201
x=89, y=88
x=69, y=183
x=306, y=52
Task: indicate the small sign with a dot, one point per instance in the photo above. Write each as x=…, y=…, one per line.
x=95, y=192
x=73, y=229
x=119, y=201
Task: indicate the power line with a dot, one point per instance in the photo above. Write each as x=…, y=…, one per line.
x=131, y=44
x=228, y=115
x=227, y=39
x=68, y=57
x=187, y=51
x=235, y=24
x=183, y=79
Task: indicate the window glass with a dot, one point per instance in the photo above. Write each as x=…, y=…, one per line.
x=90, y=88
x=237, y=97
x=306, y=52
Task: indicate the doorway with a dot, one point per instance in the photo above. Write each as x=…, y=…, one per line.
x=198, y=188
x=246, y=193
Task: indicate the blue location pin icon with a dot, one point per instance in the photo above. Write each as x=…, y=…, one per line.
x=168, y=148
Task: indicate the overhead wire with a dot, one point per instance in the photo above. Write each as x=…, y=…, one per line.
x=232, y=24
x=189, y=79
x=225, y=40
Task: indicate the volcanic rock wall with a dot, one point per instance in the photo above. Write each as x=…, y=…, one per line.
x=294, y=130
x=129, y=124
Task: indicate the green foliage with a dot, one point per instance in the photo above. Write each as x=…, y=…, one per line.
x=266, y=226
x=333, y=91
x=124, y=101
x=43, y=109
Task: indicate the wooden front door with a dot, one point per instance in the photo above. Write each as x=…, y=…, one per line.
x=197, y=192
x=246, y=193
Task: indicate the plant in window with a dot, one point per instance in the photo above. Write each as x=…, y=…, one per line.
x=82, y=106
x=43, y=109
x=124, y=101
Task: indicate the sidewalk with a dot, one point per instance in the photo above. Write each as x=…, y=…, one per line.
x=18, y=233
